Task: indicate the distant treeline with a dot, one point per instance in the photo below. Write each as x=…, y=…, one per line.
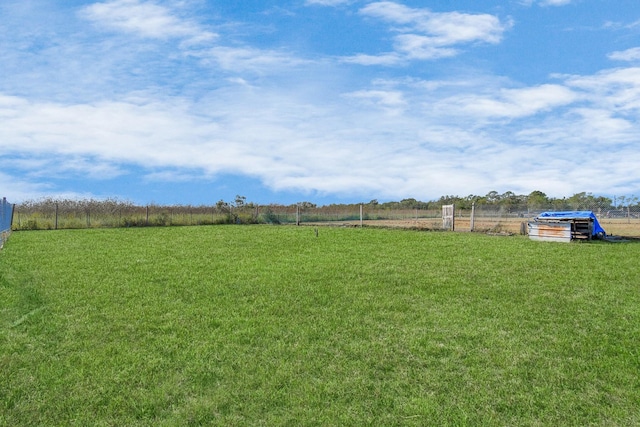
x=522, y=202
x=509, y=200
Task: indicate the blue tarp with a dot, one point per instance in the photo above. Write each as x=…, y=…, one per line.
x=567, y=215
x=6, y=216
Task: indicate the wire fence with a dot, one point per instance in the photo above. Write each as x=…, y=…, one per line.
x=6, y=218
x=619, y=221
x=51, y=215
x=482, y=218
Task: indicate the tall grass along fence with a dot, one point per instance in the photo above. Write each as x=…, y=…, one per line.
x=61, y=214
x=6, y=218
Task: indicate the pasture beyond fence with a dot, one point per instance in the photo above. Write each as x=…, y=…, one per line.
x=6, y=218
x=620, y=221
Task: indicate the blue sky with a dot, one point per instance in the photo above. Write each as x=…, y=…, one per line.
x=328, y=101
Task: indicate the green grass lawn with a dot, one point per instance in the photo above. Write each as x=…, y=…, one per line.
x=267, y=325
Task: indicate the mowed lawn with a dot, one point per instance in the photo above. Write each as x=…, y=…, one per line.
x=273, y=325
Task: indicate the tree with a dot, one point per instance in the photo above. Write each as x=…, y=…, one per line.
x=412, y=204
x=227, y=209
x=306, y=205
x=510, y=200
x=240, y=201
x=492, y=197
x=449, y=200
x=537, y=200
x=578, y=200
x=233, y=209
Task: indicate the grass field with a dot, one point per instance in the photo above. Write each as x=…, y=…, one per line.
x=268, y=325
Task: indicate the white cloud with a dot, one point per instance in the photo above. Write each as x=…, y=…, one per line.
x=510, y=103
x=547, y=2
x=616, y=90
x=380, y=97
x=398, y=141
x=429, y=35
x=291, y=142
x=392, y=102
x=603, y=123
x=444, y=29
x=17, y=189
x=249, y=59
x=109, y=132
x=421, y=47
x=382, y=59
x=144, y=18
x=617, y=25
x=327, y=2
x=632, y=54
x=554, y=2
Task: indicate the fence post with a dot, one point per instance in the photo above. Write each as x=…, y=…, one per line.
x=473, y=216
x=361, y=215
x=56, y=226
x=298, y=214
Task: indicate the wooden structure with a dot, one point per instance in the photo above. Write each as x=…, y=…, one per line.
x=561, y=229
x=448, y=217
